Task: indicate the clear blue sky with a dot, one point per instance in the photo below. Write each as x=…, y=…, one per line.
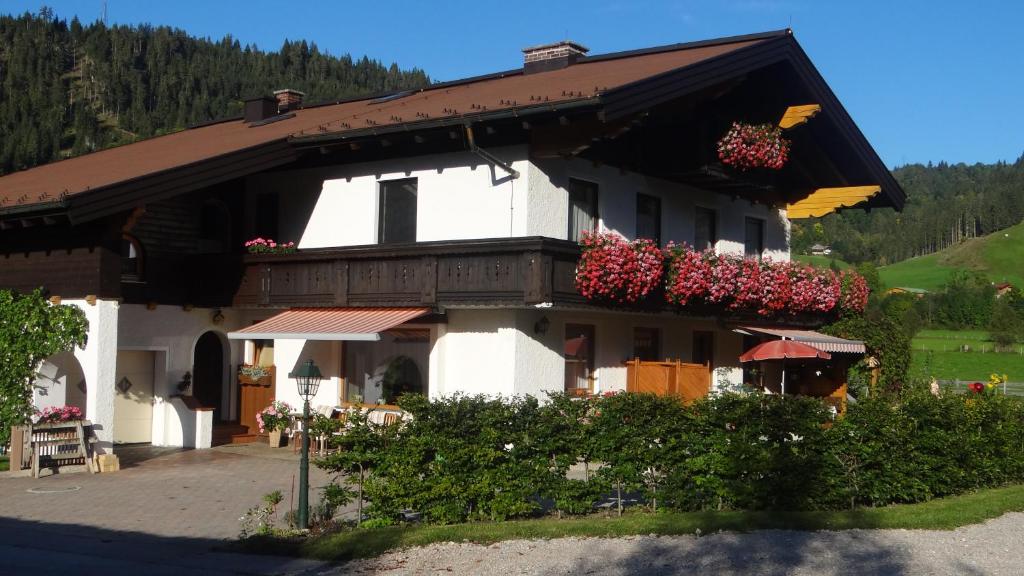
x=925, y=80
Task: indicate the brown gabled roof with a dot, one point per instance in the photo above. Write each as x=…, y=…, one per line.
x=583, y=82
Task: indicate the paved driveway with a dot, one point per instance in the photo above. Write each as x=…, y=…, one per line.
x=164, y=514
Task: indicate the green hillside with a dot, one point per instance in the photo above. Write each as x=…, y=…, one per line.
x=1000, y=256
x=820, y=261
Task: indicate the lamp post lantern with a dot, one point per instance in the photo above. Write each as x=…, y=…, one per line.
x=307, y=379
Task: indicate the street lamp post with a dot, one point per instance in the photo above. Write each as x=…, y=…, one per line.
x=307, y=378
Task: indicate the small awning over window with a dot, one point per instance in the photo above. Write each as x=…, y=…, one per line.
x=816, y=339
x=329, y=324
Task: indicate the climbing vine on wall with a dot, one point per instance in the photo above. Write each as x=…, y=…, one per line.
x=31, y=330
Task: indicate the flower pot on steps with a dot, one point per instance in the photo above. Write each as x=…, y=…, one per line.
x=274, y=436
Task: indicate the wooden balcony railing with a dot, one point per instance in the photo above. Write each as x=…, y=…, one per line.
x=506, y=271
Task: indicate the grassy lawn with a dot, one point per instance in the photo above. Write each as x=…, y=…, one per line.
x=951, y=340
x=966, y=365
x=820, y=261
x=997, y=255
x=4, y=463
x=941, y=514
x=922, y=272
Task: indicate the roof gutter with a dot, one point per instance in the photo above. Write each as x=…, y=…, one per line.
x=458, y=120
x=55, y=206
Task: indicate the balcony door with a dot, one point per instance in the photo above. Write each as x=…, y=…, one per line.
x=582, y=208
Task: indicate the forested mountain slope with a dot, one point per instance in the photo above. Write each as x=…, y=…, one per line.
x=946, y=205
x=68, y=88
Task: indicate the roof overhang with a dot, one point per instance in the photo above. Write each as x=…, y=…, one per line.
x=822, y=342
x=652, y=91
x=331, y=324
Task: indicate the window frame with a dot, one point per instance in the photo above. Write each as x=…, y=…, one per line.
x=139, y=275
x=656, y=332
x=590, y=331
x=762, y=232
x=382, y=194
x=596, y=205
x=713, y=240
x=655, y=201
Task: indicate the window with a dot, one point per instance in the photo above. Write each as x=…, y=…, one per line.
x=648, y=217
x=705, y=230
x=704, y=348
x=582, y=208
x=579, y=358
x=753, y=245
x=397, y=211
x=131, y=259
x=646, y=344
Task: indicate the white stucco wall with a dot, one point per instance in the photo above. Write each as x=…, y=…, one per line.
x=459, y=197
x=462, y=197
x=98, y=361
x=474, y=353
x=171, y=332
x=289, y=354
x=501, y=352
x=617, y=192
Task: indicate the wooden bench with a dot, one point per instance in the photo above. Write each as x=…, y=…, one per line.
x=58, y=443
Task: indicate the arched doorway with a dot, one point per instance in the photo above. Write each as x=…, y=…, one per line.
x=60, y=381
x=208, y=373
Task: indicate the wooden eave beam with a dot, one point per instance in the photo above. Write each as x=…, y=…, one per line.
x=827, y=200
x=797, y=115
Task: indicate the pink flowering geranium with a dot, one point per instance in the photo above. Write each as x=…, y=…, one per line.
x=59, y=414
x=767, y=288
x=747, y=146
x=277, y=416
x=853, y=292
x=689, y=274
x=269, y=246
x=612, y=269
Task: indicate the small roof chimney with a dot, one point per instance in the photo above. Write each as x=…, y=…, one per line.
x=552, y=56
x=288, y=99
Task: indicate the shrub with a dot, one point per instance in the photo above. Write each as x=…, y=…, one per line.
x=477, y=458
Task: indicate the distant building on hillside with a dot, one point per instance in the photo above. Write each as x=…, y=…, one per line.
x=1003, y=288
x=820, y=250
x=919, y=292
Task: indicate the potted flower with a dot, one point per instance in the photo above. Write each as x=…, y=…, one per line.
x=52, y=414
x=254, y=374
x=273, y=419
x=269, y=246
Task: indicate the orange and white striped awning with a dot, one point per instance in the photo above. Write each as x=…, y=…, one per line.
x=329, y=324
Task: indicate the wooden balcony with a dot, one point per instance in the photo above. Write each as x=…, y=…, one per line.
x=496, y=272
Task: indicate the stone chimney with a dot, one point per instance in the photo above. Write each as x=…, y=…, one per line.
x=552, y=56
x=288, y=99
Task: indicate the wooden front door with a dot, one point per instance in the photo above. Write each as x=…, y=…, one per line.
x=255, y=395
x=208, y=373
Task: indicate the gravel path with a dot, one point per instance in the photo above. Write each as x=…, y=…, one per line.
x=995, y=547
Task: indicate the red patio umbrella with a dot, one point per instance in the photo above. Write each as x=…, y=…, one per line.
x=783, y=350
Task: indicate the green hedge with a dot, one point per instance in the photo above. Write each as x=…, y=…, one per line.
x=473, y=458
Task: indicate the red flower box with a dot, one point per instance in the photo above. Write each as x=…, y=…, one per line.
x=614, y=270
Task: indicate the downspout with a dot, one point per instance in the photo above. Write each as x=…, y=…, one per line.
x=487, y=156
